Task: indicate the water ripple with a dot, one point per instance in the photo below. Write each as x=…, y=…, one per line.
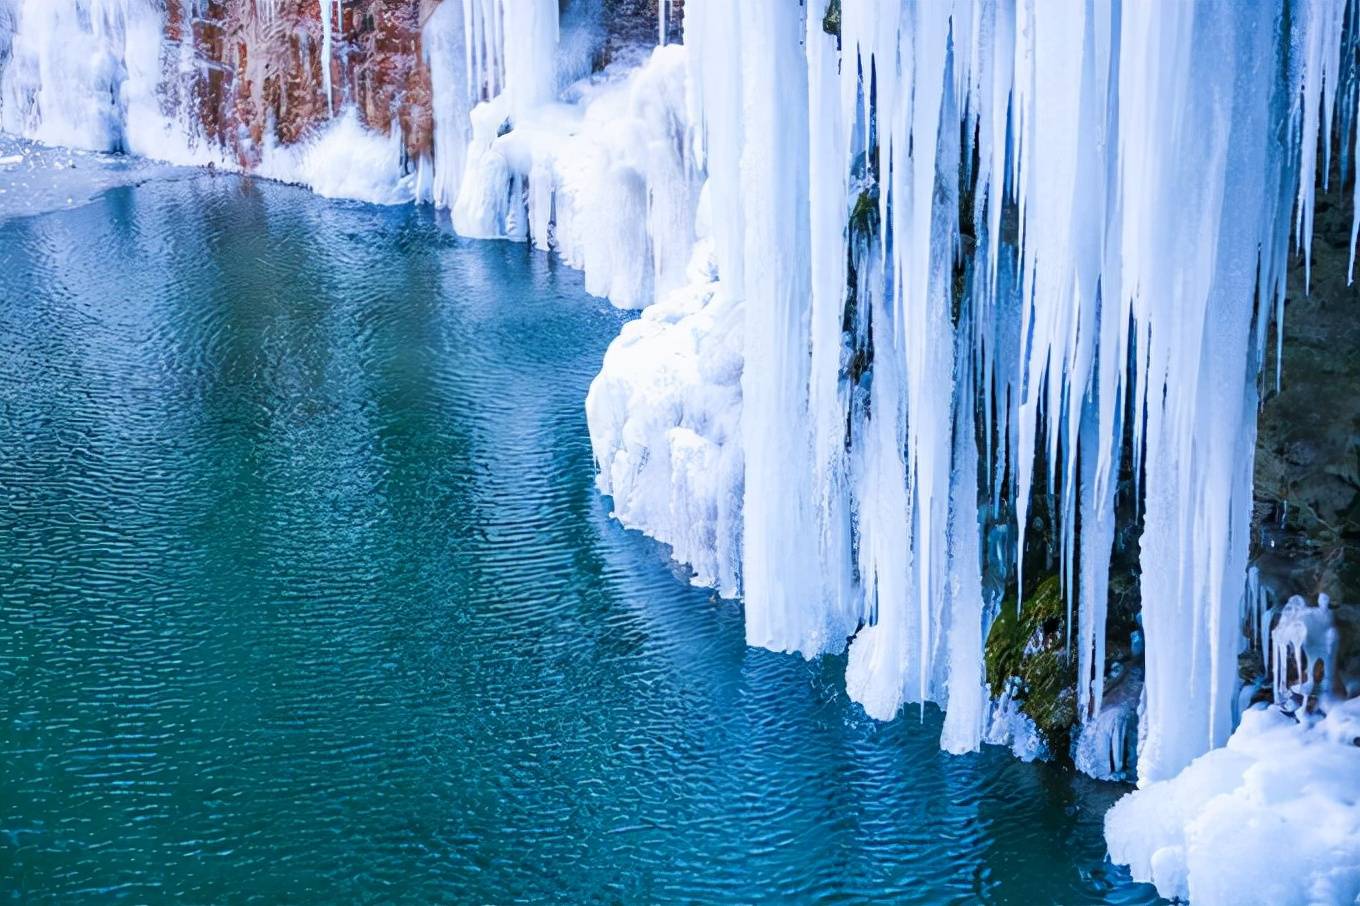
x=305, y=595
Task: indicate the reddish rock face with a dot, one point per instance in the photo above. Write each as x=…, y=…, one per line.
x=258, y=72
x=259, y=75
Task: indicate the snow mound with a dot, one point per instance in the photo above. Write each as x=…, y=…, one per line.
x=1272, y=818
x=665, y=415
x=345, y=160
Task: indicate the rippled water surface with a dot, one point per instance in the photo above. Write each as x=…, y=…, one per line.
x=306, y=596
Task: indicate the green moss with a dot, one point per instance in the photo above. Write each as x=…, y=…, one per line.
x=831, y=22
x=864, y=216
x=1047, y=673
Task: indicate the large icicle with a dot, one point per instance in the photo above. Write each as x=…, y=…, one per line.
x=1192, y=227
x=442, y=41
x=785, y=609
x=832, y=111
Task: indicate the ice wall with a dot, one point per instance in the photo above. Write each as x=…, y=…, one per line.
x=1137, y=148
x=94, y=75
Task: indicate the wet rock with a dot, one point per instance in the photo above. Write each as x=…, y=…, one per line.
x=1307, y=514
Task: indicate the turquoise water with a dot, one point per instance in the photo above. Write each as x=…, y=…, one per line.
x=305, y=595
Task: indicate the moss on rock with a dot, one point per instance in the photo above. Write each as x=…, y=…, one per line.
x=864, y=216
x=831, y=21
x=1031, y=646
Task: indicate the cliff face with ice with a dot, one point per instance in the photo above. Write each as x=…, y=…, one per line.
x=957, y=316
x=295, y=89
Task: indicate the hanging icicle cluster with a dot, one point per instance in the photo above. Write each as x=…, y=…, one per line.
x=1128, y=174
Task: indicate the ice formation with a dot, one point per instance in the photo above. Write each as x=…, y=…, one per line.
x=89, y=74
x=665, y=425
x=1153, y=215
x=345, y=160
x=1121, y=137
x=1306, y=643
x=1271, y=818
x=915, y=265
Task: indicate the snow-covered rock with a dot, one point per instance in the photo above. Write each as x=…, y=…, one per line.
x=1271, y=818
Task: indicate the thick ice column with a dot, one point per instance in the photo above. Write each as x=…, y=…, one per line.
x=968, y=696
x=530, y=53
x=713, y=40
x=1097, y=509
x=1190, y=249
x=1061, y=89
x=878, y=672
x=443, y=43
x=831, y=121
x=780, y=559
x=906, y=460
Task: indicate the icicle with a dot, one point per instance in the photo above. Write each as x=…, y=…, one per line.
x=1320, y=71
x=967, y=698
x=829, y=392
x=527, y=48
x=331, y=10
x=443, y=43
x=1355, y=200
x=784, y=610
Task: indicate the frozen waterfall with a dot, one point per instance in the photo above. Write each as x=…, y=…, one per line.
x=917, y=267
x=1136, y=150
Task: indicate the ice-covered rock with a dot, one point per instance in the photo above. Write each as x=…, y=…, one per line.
x=1106, y=746
x=1008, y=726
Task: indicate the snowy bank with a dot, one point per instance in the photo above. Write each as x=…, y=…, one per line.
x=1271, y=818
x=36, y=178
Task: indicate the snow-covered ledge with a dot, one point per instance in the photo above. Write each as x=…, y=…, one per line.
x=1272, y=818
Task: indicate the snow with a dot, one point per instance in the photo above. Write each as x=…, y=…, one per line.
x=1271, y=818
x=344, y=160
x=664, y=417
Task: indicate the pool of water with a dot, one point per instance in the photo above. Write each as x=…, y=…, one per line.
x=305, y=594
